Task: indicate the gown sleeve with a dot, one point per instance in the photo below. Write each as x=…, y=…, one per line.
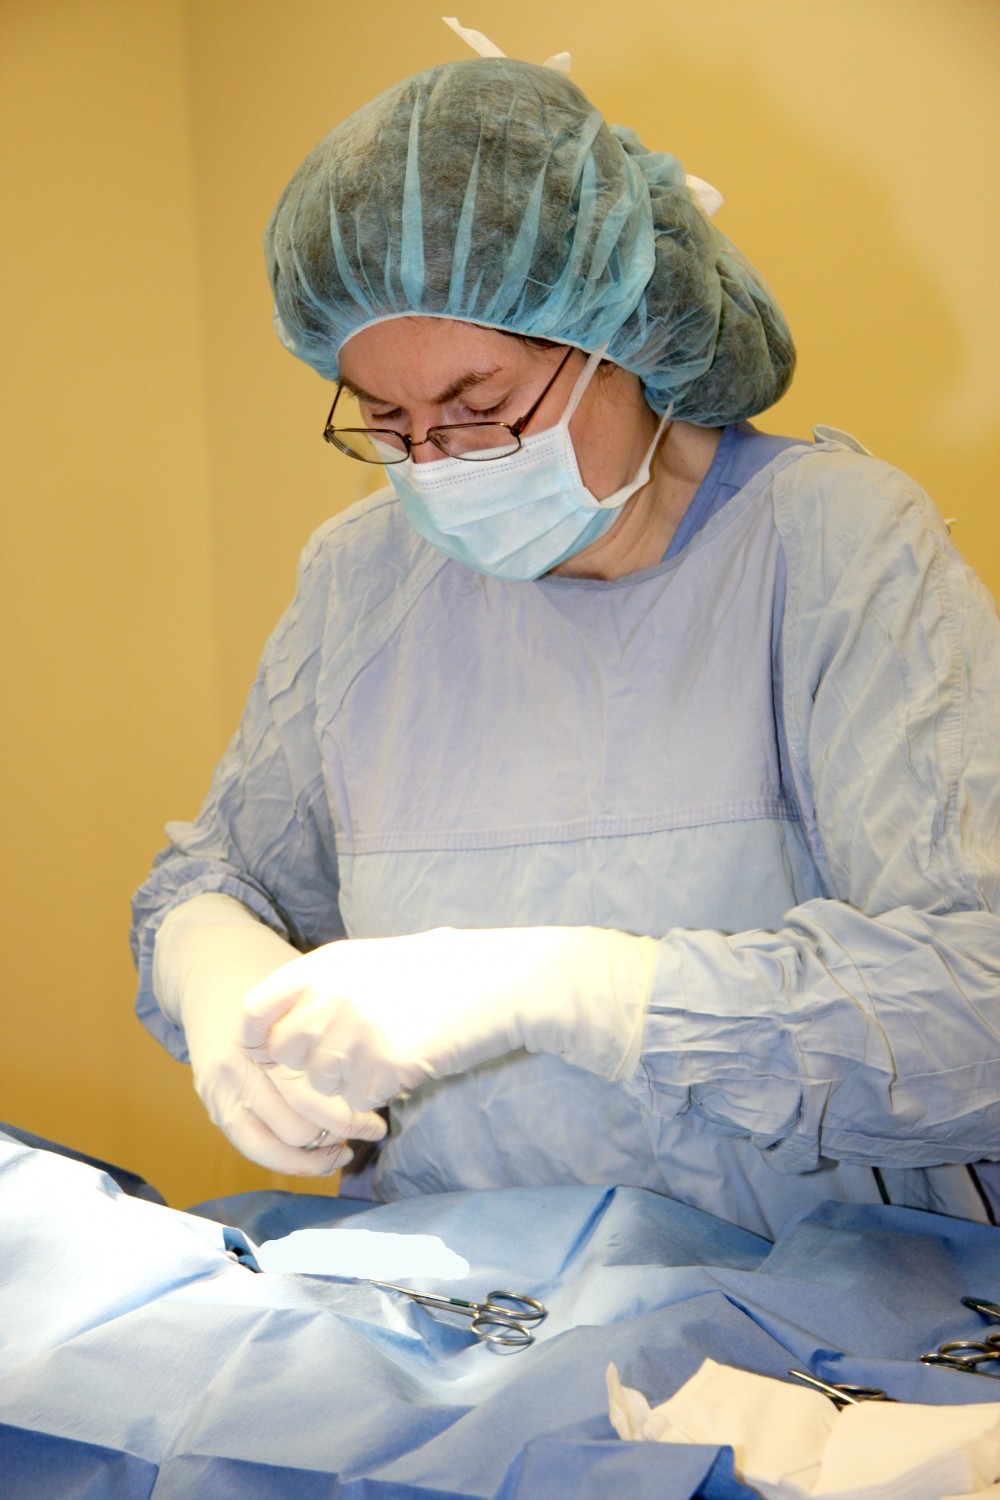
x=867, y=1029
x=263, y=834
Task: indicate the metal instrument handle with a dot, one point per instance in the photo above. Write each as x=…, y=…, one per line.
x=843, y=1395
x=501, y=1328
x=524, y=1309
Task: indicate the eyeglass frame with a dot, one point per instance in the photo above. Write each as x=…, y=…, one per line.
x=514, y=428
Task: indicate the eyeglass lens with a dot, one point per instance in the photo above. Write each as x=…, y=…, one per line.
x=470, y=441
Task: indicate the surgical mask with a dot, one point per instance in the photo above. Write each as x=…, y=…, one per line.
x=519, y=516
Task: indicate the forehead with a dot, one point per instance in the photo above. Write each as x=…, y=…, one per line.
x=392, y=340
x=422, y=354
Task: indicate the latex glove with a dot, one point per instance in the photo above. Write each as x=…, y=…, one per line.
x=209, y=953
x=371, y=1018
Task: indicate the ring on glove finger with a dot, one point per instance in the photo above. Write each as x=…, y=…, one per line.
x=317, y=1141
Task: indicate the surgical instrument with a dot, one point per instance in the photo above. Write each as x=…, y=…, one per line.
x=969, y=1354
x=988, y=1310
x=843, y=1395
x=506, y=1318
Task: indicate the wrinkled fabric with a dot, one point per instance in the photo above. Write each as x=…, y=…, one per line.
x=137, y=1359
x=493, y=192
x=791, y=1443
x=129, y=1182
x=776, y=753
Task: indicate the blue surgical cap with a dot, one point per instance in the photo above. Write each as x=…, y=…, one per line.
x=493, y=191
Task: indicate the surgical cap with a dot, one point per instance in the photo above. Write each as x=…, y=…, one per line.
x=493, y=191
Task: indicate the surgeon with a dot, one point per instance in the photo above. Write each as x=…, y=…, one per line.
x=617, y=800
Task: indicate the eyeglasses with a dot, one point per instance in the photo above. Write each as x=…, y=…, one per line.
x=475, y=442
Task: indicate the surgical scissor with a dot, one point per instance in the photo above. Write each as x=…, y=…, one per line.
x=506, y=1318
x=969, y=1354
x=843, y=1395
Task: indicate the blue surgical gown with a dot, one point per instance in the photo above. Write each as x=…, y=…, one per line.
x=776, y=752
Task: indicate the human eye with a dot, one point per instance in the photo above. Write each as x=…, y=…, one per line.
x=484, y=406
x=374, y=416
x=485, y=413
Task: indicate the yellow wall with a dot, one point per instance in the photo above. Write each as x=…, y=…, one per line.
x=161, y=460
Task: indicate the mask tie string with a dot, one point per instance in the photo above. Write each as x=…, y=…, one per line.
x=486, y=48
x=708, y=198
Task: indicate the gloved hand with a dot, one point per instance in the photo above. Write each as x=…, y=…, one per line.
x=371, y=1018
x=209, y=953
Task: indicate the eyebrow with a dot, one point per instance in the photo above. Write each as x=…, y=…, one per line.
x=457, y=388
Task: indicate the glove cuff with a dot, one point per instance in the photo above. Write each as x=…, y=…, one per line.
x=211, y=943
x=596, y=984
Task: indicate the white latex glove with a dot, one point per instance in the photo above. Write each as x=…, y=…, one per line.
x=209, y=953
x=371, y=1018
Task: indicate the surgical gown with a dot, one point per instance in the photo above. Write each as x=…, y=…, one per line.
x=776, y=753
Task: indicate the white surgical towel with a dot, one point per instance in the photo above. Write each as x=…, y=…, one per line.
x=791, y=1443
